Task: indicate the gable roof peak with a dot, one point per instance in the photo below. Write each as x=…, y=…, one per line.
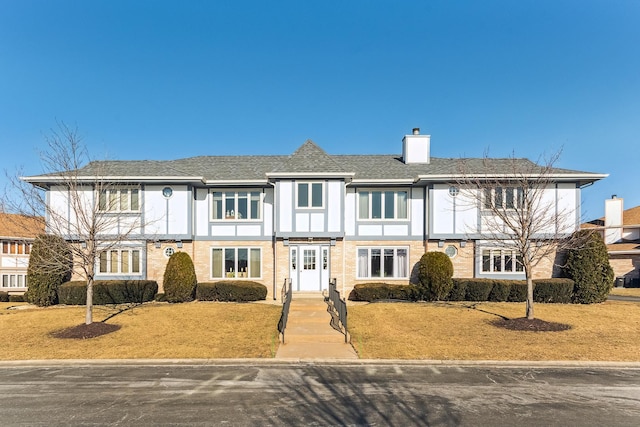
x=309, y=158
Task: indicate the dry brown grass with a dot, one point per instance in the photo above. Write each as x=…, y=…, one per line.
x=156, y=330
x=627, y=292
x=455, y=331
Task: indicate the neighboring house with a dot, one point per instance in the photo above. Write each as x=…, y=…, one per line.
x=17, y=233
x=621, y=231
x=310, y=216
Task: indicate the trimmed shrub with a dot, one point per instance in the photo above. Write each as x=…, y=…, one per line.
x=179, y=278
x=383, y=291
x=108, y=292
x=458, y=291
x=16, y=298
x=553, y=290
x=160, y=297
x=231, y=290
x=518, y=292
x=588, y=266
x=435, y=272
x=4, y=297
x=478, y=289
x=500, y=291
x=50, y=265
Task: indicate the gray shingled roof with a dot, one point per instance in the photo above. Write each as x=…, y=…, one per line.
x=309, y=158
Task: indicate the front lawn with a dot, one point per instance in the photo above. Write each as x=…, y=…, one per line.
x=153, y=330
x=462, y=331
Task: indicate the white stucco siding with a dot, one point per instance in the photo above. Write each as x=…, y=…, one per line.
x=285, y=206
x=302, y=222
x=267, y=212
x=547, y=210
x=128, y=225
x=416, y=211
x=155, y=211
x=335, y=200
x=59, y=206
x=396, y=230
x=223, y=230
x=202, y=212
x=248, y=230
x=350, y=212
x=15, y=261
x=316, y=222
x=178, y=209
x=370, y=230
x=442, y=209
x=568, y=208
x=466, y=212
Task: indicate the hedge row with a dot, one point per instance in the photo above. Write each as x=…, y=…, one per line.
x=5, y=297
x=108, y=292
x=231, y=290
x=545, y=290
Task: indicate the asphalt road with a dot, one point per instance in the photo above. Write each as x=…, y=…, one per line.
x=317, y=394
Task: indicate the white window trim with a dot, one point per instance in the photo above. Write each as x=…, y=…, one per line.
x=119, y=272
x=359, y=276
x=309, y=185
x=518, y=195
x=395, y=205
x=15, y=275
x=503, y=251
x=248, y=191
x=118, y=190
x=235, y=275
x=26, y=247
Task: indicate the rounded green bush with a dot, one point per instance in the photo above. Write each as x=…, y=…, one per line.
x=588, y=266
x=180, y=278
x=50, y=265
x=435, y=272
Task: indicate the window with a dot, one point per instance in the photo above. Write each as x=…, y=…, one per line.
x=15, y=248
x=236, y=205
x=120, y=261
x=382, y=205
x=310, y=195
x=501, y=261
x=16, y=280
x=383, y=262
x=119, y=200
x=508, y=198
x=236, y=262
x=309, y=259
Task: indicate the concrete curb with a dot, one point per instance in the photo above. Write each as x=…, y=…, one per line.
x=329, y=362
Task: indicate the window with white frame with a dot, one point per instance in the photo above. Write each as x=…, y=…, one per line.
x=501, y=261
x=392, y=262
x=120, y=261
x=310, y=195
x=236, y=262
x=236, y=205
x=14, y=280
x=509, y=198
x=119, y=199
x=373, y=204
x=14, y=247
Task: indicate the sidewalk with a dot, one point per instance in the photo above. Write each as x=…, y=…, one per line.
x=309, y=334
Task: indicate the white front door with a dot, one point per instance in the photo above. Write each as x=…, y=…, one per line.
x=309, y=267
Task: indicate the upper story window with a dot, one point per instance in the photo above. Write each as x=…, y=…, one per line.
x=236, y=205
x=120, y=261
x=382, y=204
x=310, y=195
x=119, y=199
x=12, y=247
x=509, y=198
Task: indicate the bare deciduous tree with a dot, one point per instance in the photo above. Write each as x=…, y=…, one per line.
x=72, y=197
x=520, y=210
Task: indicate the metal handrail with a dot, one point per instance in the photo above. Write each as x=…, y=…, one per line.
x=339, y=305
x=285, y=296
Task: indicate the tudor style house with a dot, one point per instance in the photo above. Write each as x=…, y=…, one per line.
x=309, y=216
x=17, y=233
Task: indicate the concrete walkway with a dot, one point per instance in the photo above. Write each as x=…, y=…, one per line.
x=309, y=334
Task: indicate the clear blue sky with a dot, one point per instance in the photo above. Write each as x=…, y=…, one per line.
x=171, y=79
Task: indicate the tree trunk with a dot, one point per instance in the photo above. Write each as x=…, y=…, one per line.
x=88, y=319
x=529, y=298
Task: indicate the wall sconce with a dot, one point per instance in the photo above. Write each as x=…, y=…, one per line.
x=463, y=243
x=157, y=244
x=179, y=244
x=441, y=243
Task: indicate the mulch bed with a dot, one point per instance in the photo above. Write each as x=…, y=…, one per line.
x=535, y=325
x=84, y=331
